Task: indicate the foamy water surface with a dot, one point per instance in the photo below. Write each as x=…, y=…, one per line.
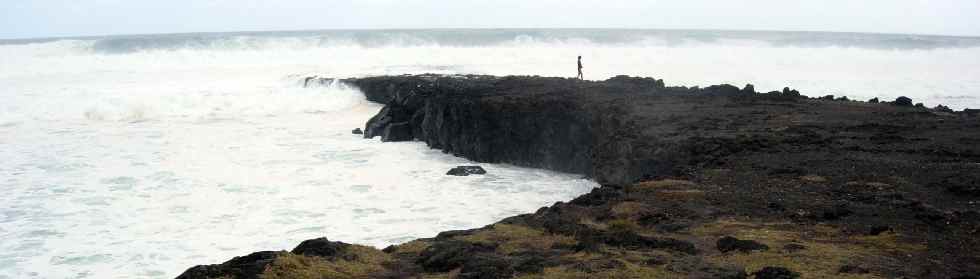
x=139, y=157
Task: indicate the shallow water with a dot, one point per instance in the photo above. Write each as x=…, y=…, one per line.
x=141, y=157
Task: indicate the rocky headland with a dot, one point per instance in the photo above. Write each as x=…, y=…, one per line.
x=715, y=182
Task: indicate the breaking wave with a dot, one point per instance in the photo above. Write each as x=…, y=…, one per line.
x=501, y=37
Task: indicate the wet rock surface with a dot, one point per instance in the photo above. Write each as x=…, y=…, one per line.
x=887, y=188
x=466, y=171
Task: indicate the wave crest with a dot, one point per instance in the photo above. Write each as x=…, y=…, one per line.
x=499, y=37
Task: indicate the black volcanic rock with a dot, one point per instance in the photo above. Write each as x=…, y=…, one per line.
x=449, y=255
x=245, y=267
x=530, y=121
x=942, y=108
x=401, y=131
x=903, y=101
x=631, y=239
x=466, y=170
x=357, y=131
x=679, y=165
x=321, y=247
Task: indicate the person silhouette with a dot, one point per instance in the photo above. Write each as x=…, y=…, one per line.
x=580, y=67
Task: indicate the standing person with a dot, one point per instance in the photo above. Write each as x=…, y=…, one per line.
x=580, y=67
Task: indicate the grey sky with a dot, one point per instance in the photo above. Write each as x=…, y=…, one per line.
x=45, y=18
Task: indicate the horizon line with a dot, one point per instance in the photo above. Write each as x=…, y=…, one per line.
x=42, y=38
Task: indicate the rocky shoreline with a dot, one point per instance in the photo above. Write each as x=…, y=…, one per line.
x=715, y=182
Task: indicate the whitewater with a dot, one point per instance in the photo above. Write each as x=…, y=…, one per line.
x=140, y=156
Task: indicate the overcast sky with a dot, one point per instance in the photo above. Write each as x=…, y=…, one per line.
x=46, y=18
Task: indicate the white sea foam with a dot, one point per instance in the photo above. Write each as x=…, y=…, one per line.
x=141, y=157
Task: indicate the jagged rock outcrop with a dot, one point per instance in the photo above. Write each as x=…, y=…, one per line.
x=552, y=123
x=590, y=128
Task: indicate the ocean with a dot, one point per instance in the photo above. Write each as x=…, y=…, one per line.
x=139, y=156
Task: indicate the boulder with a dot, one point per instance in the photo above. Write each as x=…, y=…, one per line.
x=321, y=247
x=903, y=101
x=749, y=89
x=728, y=244
x=357, y=131
x=466, y=170
x=873, y=100
x=250, y=266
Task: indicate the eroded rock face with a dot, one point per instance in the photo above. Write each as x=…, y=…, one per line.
x=400, y=131
x=577, y=127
